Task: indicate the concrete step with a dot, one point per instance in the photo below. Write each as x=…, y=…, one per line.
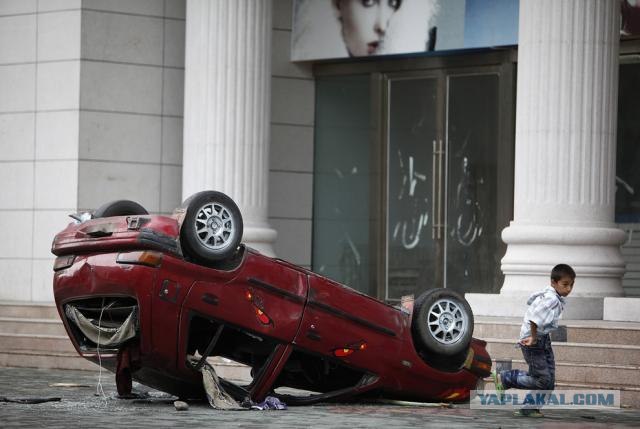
x=17, y=325
x=573, y=331
x=623, y=375
x=53, y=343
x=610, y=354
x=629, y=396
x=44, y=359
x=28, y=310
x=71, y=360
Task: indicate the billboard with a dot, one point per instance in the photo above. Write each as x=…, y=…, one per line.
x=329, y=29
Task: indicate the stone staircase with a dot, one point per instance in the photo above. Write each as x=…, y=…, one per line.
x=33, y=336
x=592, y=354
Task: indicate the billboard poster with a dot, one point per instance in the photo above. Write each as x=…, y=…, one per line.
x=329, y=29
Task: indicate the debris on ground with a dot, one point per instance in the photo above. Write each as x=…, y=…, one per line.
x=181, y=405
x=416, y=404
x=69, y=385
x=150, y=400
x=218, y=398
x=270, y=403
x=30, y=400
x=221, y=400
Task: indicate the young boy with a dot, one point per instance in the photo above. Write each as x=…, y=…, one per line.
x=545, y=308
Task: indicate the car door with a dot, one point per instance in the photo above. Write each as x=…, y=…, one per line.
x=265, y=297
x=352, y=327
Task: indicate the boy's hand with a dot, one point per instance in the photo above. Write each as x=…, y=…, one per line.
x=529, y=341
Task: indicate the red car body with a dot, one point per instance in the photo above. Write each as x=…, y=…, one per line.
x=293, y=327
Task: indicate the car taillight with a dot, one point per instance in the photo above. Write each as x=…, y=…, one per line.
x=477, y=364
x=349, y=349
x=63, y=262
x=456, y=394
x=146, y=257
x=343, y=352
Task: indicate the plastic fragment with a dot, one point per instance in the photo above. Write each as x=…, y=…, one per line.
x=270, y=403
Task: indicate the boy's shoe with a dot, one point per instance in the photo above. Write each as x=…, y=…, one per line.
x=497, y=382
x=528, y=413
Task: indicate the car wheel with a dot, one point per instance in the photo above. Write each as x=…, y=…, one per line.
x=442, y=323
x=119, y=208
x=212, y=227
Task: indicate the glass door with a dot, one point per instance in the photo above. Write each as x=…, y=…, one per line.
x=414, y=154
x=478, y=192
x=449, y=186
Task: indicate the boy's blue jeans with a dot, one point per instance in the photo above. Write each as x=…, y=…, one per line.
x=542, y=368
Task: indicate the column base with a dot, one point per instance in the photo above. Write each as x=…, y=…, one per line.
x=261, y=238
x=593, y=252
x=622, y=309
x=578, y=308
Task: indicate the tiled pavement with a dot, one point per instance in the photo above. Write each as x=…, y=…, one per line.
x=80, y=407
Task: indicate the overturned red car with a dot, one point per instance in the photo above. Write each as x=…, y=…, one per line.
x=152, y=297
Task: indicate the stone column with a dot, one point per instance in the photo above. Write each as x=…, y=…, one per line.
x=227, y=107
x=565, y=148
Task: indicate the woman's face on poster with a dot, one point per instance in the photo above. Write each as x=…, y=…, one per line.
x=364, y=23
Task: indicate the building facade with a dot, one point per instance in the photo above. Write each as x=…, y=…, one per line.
x=392, y=174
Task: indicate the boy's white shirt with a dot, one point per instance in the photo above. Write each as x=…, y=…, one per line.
x=545, y=309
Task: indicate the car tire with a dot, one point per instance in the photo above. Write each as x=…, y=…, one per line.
x=119, y=208
x=212, y=227
x=442, y=324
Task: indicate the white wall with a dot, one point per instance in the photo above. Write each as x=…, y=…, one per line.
x=39, y=102
x=291, y=156
x=131, y=103
x=91, y=105
x=90, y=111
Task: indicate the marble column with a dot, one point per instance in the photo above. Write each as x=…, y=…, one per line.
x=227, y=107
x=565, y=148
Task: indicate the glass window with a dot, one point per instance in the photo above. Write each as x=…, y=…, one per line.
x=474, y=221
x=628, y=149
x=342, y=181
x=413, y=252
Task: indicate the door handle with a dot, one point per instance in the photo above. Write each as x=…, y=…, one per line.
x=437, y=182
x=434, y=202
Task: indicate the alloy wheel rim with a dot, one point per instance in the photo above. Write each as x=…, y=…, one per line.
x=215, y=226
x=447, y=322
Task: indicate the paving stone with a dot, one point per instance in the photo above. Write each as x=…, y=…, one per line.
x=81, y=407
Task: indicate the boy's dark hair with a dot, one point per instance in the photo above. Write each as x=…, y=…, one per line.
x=562, y=270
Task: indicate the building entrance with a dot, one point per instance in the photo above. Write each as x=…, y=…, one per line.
x=413, y=178
x=443, y=187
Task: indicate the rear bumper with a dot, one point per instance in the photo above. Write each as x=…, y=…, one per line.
x=143, y=239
